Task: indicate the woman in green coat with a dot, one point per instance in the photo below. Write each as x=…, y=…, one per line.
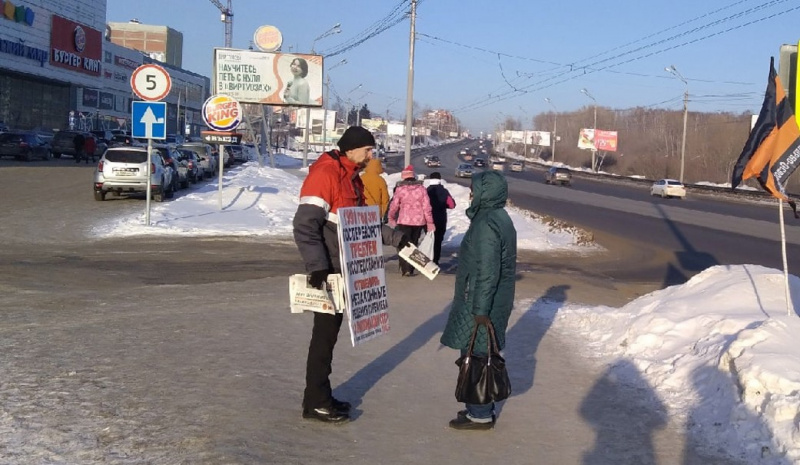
x=485, y=281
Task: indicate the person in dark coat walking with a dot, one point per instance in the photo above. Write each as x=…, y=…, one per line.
x=441, y=201
x=332, y=183
x=78, y=142
x=485, y=282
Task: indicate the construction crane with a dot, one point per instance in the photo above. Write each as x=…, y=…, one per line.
x=227, y=18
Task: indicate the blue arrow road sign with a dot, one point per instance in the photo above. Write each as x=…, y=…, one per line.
x=149, y=120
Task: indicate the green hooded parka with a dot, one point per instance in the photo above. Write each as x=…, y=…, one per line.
x=487, y=264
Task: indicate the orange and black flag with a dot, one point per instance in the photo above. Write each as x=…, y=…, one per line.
x=772, y=152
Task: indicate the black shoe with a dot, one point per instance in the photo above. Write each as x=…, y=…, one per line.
x=464, y=423
x=463, y=414
x=341, y=406
x=325, y=415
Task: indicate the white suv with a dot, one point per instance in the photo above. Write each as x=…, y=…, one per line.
x=123, y=170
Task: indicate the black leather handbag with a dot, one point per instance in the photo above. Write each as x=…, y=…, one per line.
x=482, y=379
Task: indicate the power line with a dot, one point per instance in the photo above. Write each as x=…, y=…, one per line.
x=543, y=84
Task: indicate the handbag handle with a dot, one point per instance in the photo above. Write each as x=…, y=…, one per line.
x=491, y=341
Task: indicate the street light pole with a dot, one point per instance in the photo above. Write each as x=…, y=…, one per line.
x=410, y=86
x=555, y=129
x=334, y=30
x=325, y=111
x=674, y=71
x=594, y=128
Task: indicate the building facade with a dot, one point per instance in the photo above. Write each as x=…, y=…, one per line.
x=161, y=43
x=58, y=70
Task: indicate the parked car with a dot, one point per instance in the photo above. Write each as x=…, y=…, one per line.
x=192, y=162
x=479, y=162
x=123, y=170
x=558, y=175
x=237, y=153
x=24, y=145
x=62, y=143
x=433, y=161
x=517, y=166
x=205, y=154
x=668, y=188
x=464, y=170
x=180, y=172
x=101, y=135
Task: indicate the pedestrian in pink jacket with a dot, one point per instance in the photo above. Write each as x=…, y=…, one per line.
x=410, y=211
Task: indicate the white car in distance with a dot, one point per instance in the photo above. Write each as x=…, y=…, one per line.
x=668, y=188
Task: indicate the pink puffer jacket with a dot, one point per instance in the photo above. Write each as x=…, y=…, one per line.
x=411, y=206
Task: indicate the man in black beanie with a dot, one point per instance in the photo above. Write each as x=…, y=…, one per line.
x=332, y=183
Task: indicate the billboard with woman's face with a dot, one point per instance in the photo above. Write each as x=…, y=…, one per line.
x=283, y=79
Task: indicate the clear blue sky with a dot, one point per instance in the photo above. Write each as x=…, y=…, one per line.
x=486, y=60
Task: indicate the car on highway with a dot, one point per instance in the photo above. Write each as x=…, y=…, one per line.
x=517, y=166
x=23, y=145
x=558, y=175
x=433, y=162
x=123, y=170
x=668, y=188
x=479, y=162
x=463, y=152
x=498, y=165
x=464, y=170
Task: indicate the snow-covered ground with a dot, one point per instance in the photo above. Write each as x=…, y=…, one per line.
x=719, y=350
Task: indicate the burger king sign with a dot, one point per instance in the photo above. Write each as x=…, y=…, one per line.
x=222, y=113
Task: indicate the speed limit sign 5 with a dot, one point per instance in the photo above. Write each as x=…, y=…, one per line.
x=151, y=82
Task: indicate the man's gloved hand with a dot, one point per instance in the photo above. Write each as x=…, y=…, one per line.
x=482, y=319
x=404, y=241
x=318, y=278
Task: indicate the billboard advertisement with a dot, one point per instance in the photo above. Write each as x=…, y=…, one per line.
x=282, y=79
x=598, y=140
x=539, y=138
x=606, y=140
x=586, y=139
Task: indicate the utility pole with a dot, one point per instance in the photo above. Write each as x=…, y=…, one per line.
x=555, y=128
x=674, y=71
x=410, y=88
x=594, y=129
x=325, y=112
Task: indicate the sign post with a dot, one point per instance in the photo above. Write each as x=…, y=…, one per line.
x=149, y=118
x=222, y=114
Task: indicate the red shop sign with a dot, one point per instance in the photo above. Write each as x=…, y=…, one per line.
x=75, y=47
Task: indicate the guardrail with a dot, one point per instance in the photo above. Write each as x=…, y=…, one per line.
x=697, y=188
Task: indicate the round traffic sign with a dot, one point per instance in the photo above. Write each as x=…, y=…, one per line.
x=151, y=82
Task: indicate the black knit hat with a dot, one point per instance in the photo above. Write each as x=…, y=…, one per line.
x=355, y=137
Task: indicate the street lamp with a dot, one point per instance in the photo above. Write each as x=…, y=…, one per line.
x=555, y=128
x=325, y=111
x=524, y=136
x=353, y=103
x=674, y=71
x=594, y=128
x=334, y=30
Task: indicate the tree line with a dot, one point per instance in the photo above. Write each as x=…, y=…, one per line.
x=649, y=142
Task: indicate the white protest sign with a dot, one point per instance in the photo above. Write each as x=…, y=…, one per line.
x=361, y=254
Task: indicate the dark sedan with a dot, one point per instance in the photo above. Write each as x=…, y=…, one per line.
x=24, y=146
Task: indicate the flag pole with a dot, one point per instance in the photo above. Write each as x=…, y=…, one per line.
x=785, y=266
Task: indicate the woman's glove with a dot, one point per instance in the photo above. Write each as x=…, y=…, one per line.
x=318, y=278
x=431, y=227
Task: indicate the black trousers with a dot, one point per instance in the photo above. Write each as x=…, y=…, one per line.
x=318, y=393
x=438, y=238
x=413, y=233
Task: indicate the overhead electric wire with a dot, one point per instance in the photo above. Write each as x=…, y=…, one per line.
x=543, y=84
x=393, y=18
